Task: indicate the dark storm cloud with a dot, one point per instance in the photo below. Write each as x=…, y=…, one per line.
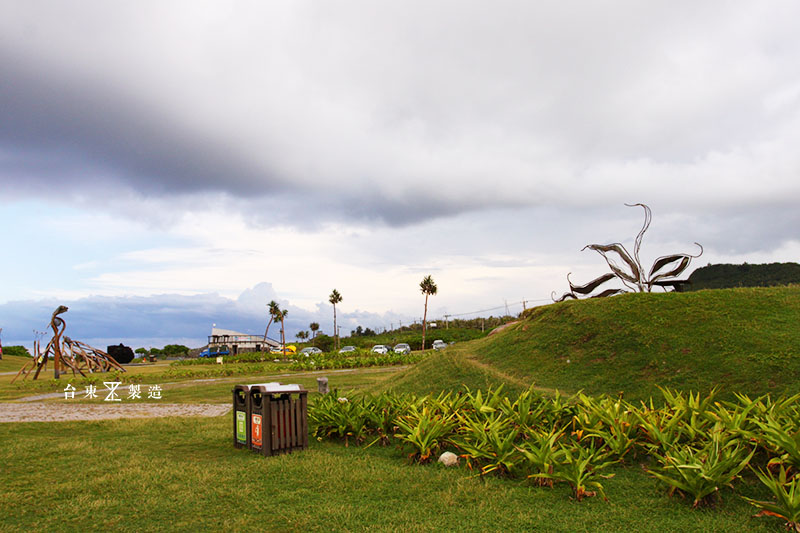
x=59, y=133
x=401, y=113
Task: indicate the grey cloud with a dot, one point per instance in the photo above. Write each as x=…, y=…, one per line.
x=406, y=113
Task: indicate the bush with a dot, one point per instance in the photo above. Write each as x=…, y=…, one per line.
x=16, y=350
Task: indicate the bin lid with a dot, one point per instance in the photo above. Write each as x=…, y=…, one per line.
x=277, y=387
x=252, y=385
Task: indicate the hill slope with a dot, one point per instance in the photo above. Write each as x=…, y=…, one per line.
x=743, y=340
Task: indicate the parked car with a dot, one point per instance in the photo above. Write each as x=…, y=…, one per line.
x=402, y=348
x=311, y=350
x=214, y=353
x=348, y=349
x=380, y=348
x=439, y=344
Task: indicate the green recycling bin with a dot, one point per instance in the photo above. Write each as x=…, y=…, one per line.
x=241, y=416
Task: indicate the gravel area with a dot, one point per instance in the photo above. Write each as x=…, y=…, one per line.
x=57, y=412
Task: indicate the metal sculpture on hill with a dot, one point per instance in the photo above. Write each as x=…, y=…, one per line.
x=67, y=354
x=663, y=273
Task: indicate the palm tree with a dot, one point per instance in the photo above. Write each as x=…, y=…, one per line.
x=281, y=315
x=428, y=288
x=273, y=310
x=335, y=298
x=302, y=335
x=314, y=327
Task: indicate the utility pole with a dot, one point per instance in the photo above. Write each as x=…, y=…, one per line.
x=523, y=303
x=446, y=322
x=482, y=326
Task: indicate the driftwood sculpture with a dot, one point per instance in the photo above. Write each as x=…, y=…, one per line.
x=67, y=354
x=631, y=273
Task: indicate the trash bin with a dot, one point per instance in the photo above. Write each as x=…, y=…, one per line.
x=279, y=418
x=241, y=416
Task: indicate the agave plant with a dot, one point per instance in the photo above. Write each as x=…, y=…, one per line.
x=580, y=467
x=345, y=417
x=609, y=420
x=426, y=430
x=779, y=439
x=540, y=453
x=631, y=273
x=489, y=444
x=700, y=472
x=530, y=410
x=787, y=498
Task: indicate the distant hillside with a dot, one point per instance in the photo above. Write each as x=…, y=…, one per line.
x=743, y=340
x=729, y=276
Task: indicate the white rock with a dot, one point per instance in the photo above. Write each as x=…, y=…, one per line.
x=448, y=459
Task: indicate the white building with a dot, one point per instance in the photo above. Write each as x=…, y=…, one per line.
x=239, y=342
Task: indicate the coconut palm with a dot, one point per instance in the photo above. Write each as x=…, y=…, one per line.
x=428, y=288
x=314, y=327
x=334, y=299
x=272, y=309
x=281, y=315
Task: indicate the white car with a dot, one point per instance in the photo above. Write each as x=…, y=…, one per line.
x=439, y=344
x=402, y=348
x=380, y=348
x=348, y=349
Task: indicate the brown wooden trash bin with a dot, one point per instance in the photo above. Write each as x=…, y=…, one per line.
x=279, y=418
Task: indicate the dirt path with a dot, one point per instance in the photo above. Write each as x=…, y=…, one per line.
x=55, y=412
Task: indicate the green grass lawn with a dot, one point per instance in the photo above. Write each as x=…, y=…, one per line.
x=183, y=474
x=12, y=363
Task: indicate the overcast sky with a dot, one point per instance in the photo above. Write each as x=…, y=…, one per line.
x=167, y=165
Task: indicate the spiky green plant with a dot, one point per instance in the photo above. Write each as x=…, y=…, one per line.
x=700, y=472
x=787, y=497
x=609, y=420
x=540, y=452
x=426, y=430
x=780, y=439
x=580, y=467
x=489, y=444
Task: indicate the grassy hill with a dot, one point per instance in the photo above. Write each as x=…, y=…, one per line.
x=742, y=340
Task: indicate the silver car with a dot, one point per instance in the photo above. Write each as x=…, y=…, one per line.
x=311, y=350
x=380, y=348
x=402, y=348
x=348, y=349
x=439, y=344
